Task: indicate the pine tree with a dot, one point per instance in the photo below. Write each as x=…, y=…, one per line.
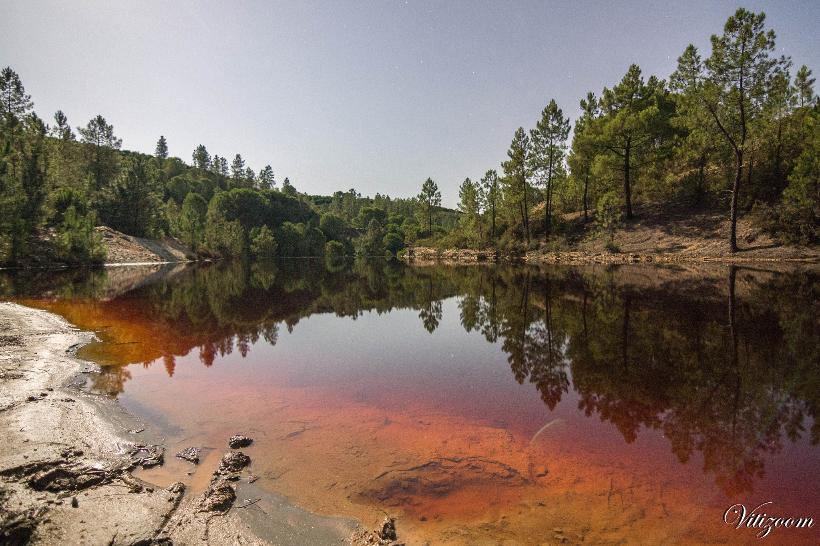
x=492, y=196
x=62, y=130
x=201, y=158
x=250, y=177
x=583, y=147
x=266, y=180
x=548, y=147
x=288, y=189
x=102, y=144
x=237, y=170
x=469, y=207
x=13, y=98
x=804, y=86
x=516, y=173
x=633, y=121
x=429, y=199
x=161, y=151
x=737, y=79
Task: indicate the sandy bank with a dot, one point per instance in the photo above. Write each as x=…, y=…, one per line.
x=67, y=456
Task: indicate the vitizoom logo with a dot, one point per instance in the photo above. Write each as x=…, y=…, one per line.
x=739, y=516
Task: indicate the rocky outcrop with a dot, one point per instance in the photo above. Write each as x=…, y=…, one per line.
x=420, y=255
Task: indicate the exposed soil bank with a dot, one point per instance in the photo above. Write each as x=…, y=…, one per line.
x=125, y=249
x=120, y=249
x=67, y=456
x=663, y=235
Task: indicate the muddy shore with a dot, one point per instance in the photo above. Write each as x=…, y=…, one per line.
x=68, y=454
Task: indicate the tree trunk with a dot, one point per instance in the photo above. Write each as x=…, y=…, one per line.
x=627, y=186
x=547, y=207
x=778, y=151
x=526, y=210
x=733, y=205
x=586, y=202
x=492, y=236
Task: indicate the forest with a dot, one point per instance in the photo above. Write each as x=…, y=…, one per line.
x=735, y=130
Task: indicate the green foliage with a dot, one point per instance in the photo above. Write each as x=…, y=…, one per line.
x=14, y=102
x=201, y=158
x=100, y=151
x=76, y=240
x=548, y=147
x=371, y=243
x=333, y=227
x=368, y=214
x=469, y=206
x=132, y=203
x=608, y=216
x=736, y=120
x=517, y=198
x=161, y=152
x=429, y=199
x=334, y=250
x=393, y=242
x=224, y=238
x=263, y=243
x=798, y=217
x=192, y=220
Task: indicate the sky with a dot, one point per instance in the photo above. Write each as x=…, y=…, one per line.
x=375, y=96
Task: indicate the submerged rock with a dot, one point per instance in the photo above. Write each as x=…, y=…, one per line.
x=234, y=461
x=190, y=454
x=238, y=441
x=146, y=456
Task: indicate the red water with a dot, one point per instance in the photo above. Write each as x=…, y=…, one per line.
x=373, y=415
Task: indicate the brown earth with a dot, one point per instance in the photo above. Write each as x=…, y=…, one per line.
x=655, y=235
x=121, y=248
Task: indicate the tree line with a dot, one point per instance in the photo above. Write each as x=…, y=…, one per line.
x=735, y=130
x=58, y=184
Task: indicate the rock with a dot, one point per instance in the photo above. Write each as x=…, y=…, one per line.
x=233, y=461
x=388, y=531
x=190, y=454
x=176, y=488
x=219, y=497
x=238, y=441
x=540, y=471
x=74, y=502
x=146, y=456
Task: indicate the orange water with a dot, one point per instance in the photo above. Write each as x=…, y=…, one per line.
x=376, y=414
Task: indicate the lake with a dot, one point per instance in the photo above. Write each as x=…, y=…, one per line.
x=486, y=404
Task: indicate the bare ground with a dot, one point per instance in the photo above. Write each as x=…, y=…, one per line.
x=67, y=456
x=668, y=234
x=121, y=248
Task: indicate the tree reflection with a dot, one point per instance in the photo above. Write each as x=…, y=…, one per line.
x=724, y=364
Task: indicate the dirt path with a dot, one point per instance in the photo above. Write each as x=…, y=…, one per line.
x=67, y=455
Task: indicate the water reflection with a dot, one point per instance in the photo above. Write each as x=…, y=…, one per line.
x=722, y=361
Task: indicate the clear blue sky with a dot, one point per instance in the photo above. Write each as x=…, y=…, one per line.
x=372, y=95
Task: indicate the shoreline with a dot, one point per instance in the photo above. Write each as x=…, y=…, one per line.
x=67, y=460
x=428, y=255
